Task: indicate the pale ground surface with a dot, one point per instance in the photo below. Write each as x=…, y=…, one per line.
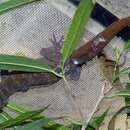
x=87, y=90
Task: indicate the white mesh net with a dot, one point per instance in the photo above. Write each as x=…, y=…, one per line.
x=24, y=31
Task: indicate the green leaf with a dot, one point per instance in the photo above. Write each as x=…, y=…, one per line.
x=4, y=116
x=127, y=99
x=52, y=125
x=20, y=119
x=90, y=128
x=127, y=45
x=35, y=125
x=121, y=73
x=19, y=63
x=76, y=127
x=16, y=108
x=99, y=120
x=127, y=85
x=129, y=76
x=11, y=4
x=118, y=54
x=56, y=126
x=124, y=93
x=77, y=28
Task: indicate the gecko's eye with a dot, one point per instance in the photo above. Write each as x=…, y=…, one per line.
x=75, y=62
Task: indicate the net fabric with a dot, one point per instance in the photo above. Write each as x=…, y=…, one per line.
x=27, y=29
x=24, y=31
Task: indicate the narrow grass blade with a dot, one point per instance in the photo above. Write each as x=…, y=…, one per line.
x=4, y=116
x=35, y=125
x=125, y=71
x=20, y=119
x=124, y=93
x=11, y=4
x=77, y=28
x=16, y=108
x=19, y=63
x=98, y=121
x=127, y=45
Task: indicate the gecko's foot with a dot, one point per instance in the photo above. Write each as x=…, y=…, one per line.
x=52, y=54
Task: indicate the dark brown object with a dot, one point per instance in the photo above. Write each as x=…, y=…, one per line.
x=23, y=81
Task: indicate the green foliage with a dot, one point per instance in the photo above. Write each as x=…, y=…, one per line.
x=124, y=93
x=4, y=116
x=127, y=45
x=127, y=99
x=11, y=4
x=77, y=28
x=98, y=121
x=16, y=108
x=28, y=122
x=31, y=120
x=76, y=127
x=121, y=73
x=118, y=54
x=20, y=119
x=56, y=126
x=35, y=125
x=95, y=124
x=19, y=63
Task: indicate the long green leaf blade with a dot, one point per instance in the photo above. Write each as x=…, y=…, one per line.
x=77, y=28
x=20, y=119
x=16, y=108
x=52, y=125
x=11, y=4
x=123, y=72
x=127, y=45
x=19, y=63
x=99, y=120
x=56, y=126
x=35, y=125
x=4, y=116
x=124, y=93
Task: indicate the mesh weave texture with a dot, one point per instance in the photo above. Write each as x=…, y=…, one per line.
x=24, y=31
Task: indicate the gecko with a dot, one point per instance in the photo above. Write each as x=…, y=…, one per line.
x=22, y=81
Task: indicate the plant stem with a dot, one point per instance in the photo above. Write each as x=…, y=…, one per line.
x=16, y=108
x=101, y=97
x=117, y=63
x=84, y=126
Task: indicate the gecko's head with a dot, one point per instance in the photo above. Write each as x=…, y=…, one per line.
x=71, y=64
x=74, y=69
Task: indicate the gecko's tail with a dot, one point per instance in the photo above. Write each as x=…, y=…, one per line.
x=110, y=32
x=13, y=83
